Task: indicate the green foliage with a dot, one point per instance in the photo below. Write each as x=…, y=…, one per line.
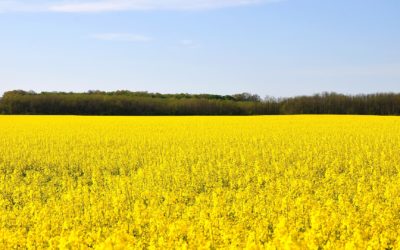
x=333, y=103
x=124, y=102
x=129, y=103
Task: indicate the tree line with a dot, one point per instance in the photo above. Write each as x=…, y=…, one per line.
x=144, y=103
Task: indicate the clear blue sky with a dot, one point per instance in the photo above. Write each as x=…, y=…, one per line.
x=278, y=48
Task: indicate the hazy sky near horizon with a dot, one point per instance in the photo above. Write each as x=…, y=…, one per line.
x=268, y=47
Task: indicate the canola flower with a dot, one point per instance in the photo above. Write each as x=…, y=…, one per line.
x=268, y=182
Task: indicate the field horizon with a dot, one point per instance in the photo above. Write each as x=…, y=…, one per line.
x=200, y=124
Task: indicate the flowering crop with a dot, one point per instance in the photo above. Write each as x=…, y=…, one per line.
x=288, y=182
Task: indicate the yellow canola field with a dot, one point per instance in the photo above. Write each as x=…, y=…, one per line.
x=268, y=182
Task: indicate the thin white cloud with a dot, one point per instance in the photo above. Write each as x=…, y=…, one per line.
x=121, y=37
x=188, y=43
x=21, y=6
x=77, y=6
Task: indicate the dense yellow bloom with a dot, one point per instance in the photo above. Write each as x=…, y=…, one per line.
x=289, y=182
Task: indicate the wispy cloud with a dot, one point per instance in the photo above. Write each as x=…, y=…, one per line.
x=120, y=5
x=22, y=6
x=188, y=43
x=121, y=37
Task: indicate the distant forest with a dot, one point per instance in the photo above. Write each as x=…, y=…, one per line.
x=144, y=103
